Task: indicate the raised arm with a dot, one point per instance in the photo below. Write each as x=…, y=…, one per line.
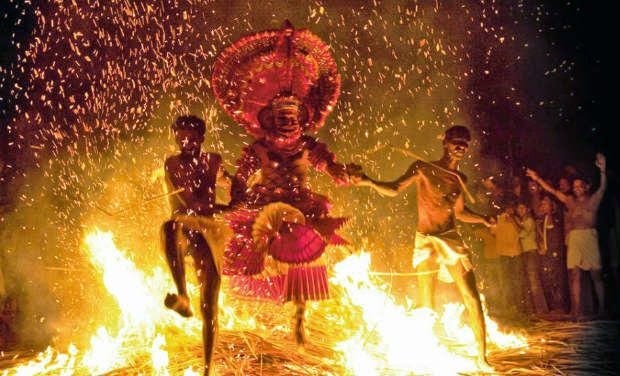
x=601, y=163
x=546, y=186
x=391, y=188
x=325, y=161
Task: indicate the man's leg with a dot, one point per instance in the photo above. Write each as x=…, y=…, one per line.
x=426, y=282
x=209, y=280
x=599, y=289
x=466, y=283
x=505, y=285
x=511, y=286
x=574, y=285
x=174, y=247
x=300, y=311
x=535, y=285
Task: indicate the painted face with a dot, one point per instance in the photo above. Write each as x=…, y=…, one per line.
x=189, y=141
x=286, y=123
x=456, y=148
x=580, y=187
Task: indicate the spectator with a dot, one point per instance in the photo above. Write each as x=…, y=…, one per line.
x=534, y=296
x=511, y=265
x=534, y=196
x=552, y=256
x=582, y=240
x=489, y=200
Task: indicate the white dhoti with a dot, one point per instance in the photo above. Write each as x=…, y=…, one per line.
x=583, y=251
x=447, y=248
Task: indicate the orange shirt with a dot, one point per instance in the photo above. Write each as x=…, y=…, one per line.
x=507, y=237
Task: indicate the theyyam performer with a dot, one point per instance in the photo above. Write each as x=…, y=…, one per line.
x=280, y=85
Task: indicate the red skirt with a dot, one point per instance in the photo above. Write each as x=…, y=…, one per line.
x=276, y=250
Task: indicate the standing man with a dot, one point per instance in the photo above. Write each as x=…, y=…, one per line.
x=582, y=239
x=440, y=188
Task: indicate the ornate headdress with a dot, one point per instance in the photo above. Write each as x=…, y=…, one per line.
x=286, y=103
x=276, y=68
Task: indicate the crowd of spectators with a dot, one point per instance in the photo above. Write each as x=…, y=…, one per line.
x=553, y=252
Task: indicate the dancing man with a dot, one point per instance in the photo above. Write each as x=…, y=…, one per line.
x=191, y=178
x=440, y=188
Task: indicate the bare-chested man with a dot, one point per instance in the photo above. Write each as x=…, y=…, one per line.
x=582, y=240
x=191, y=178
x=440, y=203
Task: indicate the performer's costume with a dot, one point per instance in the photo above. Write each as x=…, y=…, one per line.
x=449, y=249
x=281, y=227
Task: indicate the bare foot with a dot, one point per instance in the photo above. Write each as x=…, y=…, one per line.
x=179, y=303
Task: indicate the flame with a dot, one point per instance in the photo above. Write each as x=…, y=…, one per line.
x=141, y=322
x=391, y=338
x=382, y=336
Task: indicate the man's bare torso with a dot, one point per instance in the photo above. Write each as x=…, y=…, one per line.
x=582, y=213
x=437, y=192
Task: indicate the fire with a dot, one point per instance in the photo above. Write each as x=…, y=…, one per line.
x=391, y=338
x=382, y=336
x=142, y=320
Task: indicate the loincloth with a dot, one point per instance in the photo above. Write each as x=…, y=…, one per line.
x=582, y=250
x=446, y=248
x=215, y=231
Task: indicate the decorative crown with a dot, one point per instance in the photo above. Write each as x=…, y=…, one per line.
x=285, y=103
x=250, y=77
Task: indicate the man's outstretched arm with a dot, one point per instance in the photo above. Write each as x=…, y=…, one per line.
x=546, y=186
x=391, y=188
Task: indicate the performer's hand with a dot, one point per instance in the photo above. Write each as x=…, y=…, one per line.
x=339, y=173
x=354, y=169
x=355, y=173
x=600, y=162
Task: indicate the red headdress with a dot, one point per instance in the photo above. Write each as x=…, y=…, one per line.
x=276, y=67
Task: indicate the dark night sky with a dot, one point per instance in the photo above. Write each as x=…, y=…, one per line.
x=579, y=111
